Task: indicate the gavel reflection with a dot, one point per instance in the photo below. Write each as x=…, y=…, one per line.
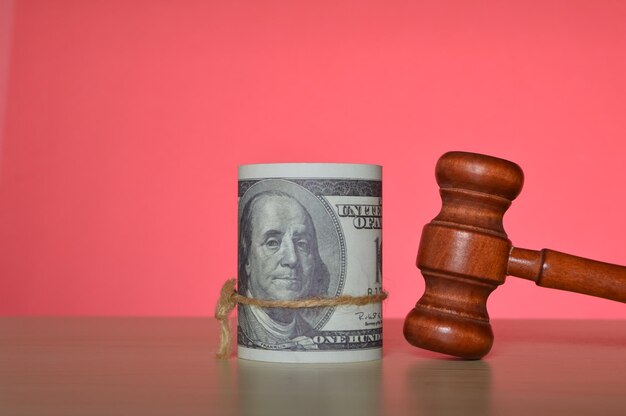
x=465, y=254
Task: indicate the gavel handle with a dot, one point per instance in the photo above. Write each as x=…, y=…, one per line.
x=549, y=268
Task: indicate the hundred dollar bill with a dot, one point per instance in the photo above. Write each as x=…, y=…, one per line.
x=309, y=230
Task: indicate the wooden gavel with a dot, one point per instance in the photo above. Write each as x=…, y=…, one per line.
x=465, y=254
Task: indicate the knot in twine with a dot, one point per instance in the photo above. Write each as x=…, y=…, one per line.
x=229, y=298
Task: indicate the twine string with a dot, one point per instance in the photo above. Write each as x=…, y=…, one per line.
x=229, y=298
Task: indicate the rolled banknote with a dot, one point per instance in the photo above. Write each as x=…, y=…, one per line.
x=310, y=230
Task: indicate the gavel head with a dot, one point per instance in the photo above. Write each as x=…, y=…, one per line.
x=463, y=255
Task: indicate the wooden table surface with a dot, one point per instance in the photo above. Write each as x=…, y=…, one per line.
x=155, y=366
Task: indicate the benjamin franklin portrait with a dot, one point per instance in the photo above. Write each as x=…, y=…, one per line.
x=279, y=258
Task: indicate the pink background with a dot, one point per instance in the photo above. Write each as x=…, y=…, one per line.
x=123, y=123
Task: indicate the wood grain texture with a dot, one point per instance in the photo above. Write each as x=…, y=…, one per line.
x=465, y=253
x=552, y=269
x=165, y=366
